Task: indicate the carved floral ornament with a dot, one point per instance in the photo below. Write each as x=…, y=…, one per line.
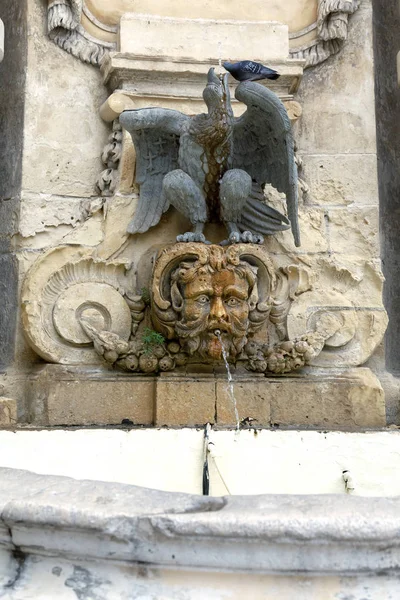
x=88, y=29
x=77, y=309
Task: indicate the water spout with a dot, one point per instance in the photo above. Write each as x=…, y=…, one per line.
x=220, y=57
x=230, y=378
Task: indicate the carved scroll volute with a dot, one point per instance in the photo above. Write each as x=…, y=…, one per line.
x=65, y=288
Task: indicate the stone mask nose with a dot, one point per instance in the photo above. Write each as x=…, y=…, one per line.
x=217, y=309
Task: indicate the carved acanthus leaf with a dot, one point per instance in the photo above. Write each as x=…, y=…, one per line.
x=332, y=28
x=108, y=179
x=65, y=29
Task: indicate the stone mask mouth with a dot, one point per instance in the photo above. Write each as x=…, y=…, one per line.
x=219, y=328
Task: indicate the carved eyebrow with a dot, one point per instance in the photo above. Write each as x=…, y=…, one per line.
x=233, y=291
x=200, y=292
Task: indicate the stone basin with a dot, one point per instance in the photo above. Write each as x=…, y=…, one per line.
x=89, y=538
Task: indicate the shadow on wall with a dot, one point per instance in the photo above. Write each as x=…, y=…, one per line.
x=12, y=86
x=387, y=98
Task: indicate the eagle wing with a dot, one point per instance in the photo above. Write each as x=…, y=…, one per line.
x=264, y=148
x=155, y=133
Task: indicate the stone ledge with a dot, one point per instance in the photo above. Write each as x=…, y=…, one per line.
x=275, y=534
x=68, y=395
x=316, y=398
x=180, y=85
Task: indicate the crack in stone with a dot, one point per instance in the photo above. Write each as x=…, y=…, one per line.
x=20, y=561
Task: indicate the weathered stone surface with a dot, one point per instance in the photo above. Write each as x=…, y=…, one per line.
x=314, y=238
x=194, y=545
x=341, y=178
x=61, y=396
x=128, y=164
x=38, y=212
x=358, y=279
x=340, y=118
x=64, y=134
x=314, y=398
x=12, y=98
x=201, y=38
x=339, y=399
x=299, y=13
x=354, y=231
x=8, y=411
x=253, y=399
x=183, y=401
x=120, y=210
x=49, y=221
x=349, y=399
x=61, y=577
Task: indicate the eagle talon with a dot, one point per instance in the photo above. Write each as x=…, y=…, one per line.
x=245, y=238
x=191, y=236
x=251, y=238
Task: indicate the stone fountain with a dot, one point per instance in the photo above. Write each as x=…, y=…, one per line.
x=213, y=285
x=221, y=277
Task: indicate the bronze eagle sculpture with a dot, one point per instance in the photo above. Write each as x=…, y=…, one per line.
x=213, y=167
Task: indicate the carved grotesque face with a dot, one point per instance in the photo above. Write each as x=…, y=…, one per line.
x=213, y=302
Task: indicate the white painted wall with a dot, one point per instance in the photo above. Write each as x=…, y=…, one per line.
x=275, y=462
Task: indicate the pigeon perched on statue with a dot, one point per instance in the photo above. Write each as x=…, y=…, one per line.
x=247, y=70
x=213, y=167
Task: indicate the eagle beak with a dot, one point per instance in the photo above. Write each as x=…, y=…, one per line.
x=212, y=78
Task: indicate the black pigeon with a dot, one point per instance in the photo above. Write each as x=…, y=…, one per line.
x=247, y=70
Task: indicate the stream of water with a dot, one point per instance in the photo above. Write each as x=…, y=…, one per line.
x=230, y=379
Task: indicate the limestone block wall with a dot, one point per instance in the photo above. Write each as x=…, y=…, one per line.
x=63, y=141
x=337, y=146
x=64, y=138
